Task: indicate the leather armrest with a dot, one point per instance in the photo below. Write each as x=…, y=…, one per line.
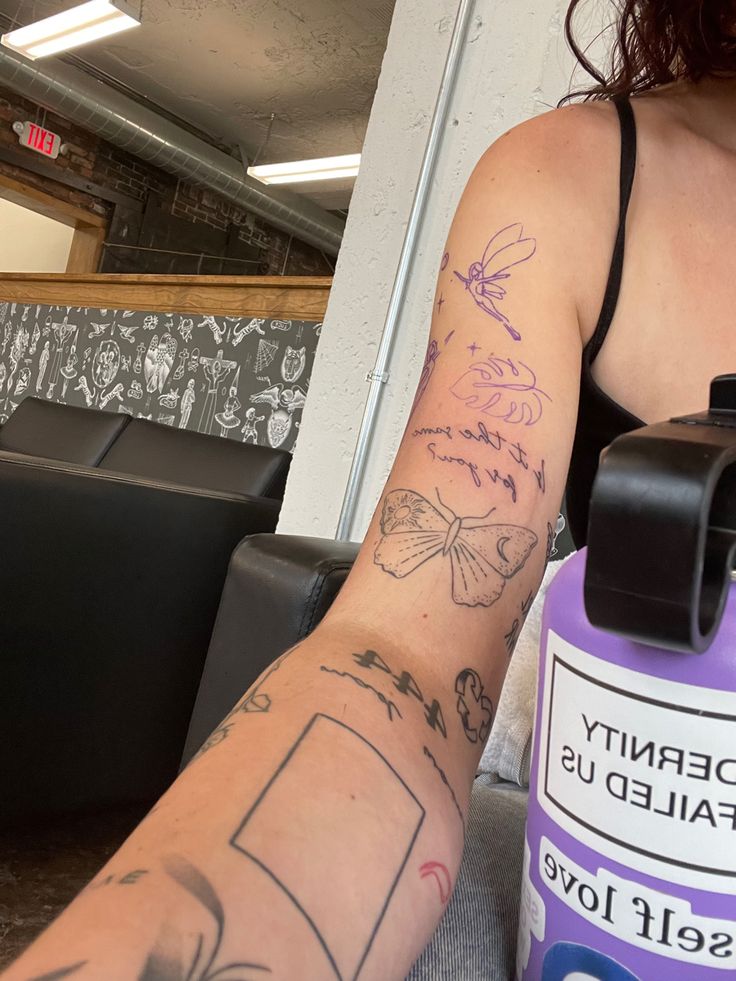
x=278, y=588
x=109, y=588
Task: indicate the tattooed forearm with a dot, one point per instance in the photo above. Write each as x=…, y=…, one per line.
x=482, y=556
x=337, y=830
x=483, y=281
x=391, y=707
x=473, y=706
x=443, y=777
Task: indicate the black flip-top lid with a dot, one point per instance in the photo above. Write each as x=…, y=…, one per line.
x=662, y=528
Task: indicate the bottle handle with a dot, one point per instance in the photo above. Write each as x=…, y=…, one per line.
x=662, y=528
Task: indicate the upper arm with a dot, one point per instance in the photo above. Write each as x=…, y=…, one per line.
x=491, y=431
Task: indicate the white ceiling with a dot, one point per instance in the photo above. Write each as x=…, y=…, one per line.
x=226, y=65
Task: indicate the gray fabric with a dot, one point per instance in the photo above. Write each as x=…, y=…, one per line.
x=508, y=751
x=476, y=938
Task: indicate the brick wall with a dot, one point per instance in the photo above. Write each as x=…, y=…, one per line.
x=103, y=166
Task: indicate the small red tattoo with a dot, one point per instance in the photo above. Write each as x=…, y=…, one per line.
x=442, y=876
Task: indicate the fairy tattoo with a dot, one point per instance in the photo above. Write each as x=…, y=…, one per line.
x=484, y=280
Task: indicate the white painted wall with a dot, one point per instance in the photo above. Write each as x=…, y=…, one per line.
x=516, y=65
x=30, y=242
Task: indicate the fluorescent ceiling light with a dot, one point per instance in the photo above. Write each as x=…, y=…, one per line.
x=72, y=28
x=300, y=171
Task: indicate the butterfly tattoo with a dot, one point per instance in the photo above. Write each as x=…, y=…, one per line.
x=482, y=556
x=506, y=249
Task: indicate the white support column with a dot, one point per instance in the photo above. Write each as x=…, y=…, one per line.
x=515, y=65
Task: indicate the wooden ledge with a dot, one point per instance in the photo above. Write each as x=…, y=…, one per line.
x=290, y=297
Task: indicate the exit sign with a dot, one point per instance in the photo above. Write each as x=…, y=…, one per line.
x=39, y=139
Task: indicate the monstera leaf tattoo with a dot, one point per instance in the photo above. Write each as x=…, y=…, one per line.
x=482, y=556
x=502, y=388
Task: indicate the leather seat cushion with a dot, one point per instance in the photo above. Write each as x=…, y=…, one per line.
x=61, y=432
x=159, y=452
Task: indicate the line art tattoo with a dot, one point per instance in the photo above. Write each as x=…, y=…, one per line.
x=255, y=701
x=430, y=360
x=438, y=872
x=167, y=963
x=483, y=281
x=214, y=739
x=473, y=706
x=391, y=707
x=502, y=388
x=443, y=777
x=482, y=556
x=352, y=785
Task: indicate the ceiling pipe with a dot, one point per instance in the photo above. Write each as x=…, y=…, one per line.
x=123, y=122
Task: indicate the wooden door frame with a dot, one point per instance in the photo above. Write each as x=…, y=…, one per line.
x=89, y=230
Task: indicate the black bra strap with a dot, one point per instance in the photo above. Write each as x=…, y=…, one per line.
x=628, y=168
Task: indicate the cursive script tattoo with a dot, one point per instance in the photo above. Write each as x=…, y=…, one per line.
x=502, y=388
x=480, y=436
x=482, y=556
x=473, y=706
x=477, y=473
x=391, y=707
x=484, y=279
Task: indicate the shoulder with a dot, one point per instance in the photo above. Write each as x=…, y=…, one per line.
x=570, y=150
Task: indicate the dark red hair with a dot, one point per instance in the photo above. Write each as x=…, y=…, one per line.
x=660, y=41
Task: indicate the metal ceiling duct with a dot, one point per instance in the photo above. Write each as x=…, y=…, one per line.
x=142, y=132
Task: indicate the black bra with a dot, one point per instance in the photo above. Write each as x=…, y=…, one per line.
x=600, y=419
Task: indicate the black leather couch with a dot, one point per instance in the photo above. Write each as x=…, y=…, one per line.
x=115, y=536
x=277, y=590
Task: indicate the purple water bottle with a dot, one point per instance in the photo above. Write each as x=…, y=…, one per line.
x=630, y=853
